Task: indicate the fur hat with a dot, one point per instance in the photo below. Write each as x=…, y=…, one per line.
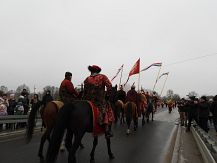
x=94, y=68
x=204, y=98
x=133, y=86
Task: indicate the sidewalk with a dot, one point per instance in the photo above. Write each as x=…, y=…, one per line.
x=186, y=149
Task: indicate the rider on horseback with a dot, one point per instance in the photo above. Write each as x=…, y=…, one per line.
x=132, y=95
x=121, y=94
x=67, y=91
x=94, y=90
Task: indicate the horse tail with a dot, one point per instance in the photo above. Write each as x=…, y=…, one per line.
x=58, y=133
x=30, y=125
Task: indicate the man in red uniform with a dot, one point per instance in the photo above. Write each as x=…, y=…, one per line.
x=132, y=95
x=67, y=91
x=94, y=90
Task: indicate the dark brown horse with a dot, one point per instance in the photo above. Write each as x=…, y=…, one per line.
x=142, y=104
x=119, y=106
x=131, y=113
x=77, y=119
x=49, y=117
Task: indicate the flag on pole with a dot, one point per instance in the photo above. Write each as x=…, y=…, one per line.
x=167, y=73
x=135, y=70
x=118, y=72
x=154, y=64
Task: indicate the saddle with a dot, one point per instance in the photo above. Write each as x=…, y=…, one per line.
x=59, y=104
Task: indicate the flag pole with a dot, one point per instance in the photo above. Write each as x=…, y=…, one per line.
x=139, y=82
x=157, y=78
x=121, y=76
x=163, y=86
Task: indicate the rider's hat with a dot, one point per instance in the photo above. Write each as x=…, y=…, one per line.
x=67, y=74
x=94, y=68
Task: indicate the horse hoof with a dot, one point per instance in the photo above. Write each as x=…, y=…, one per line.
x=41, y=157
x=62, y=149
x=81, y=146
x=128, y=132
x=92, y=160
x=111, y=156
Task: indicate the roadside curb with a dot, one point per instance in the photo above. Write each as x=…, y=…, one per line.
x=19, y=132
x=168, y=156
x=176, y=150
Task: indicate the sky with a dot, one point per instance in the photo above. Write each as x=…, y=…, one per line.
x=41, y=40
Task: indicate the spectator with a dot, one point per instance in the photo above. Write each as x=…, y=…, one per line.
x=19, y=110
x=12, y=104
x=47, y=98
x=192, y=111
x=213, y=109
x=3, y=108
x=25, y=101
x=203, y=112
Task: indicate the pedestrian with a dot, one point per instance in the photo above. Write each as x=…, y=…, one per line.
x=203, y=112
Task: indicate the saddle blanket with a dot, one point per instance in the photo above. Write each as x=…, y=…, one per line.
x=97, y=129
x=59, y=104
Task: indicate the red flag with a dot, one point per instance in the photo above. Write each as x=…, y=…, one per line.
x=136, y=68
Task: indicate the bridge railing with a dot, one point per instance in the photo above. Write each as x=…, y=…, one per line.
x=206, y=143
x=13, y=120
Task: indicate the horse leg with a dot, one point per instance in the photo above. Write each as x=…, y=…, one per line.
x=95, y=142
x=43, y=139
x=143, y=119
x=147, y=116
x=76, y=143
x=128, y=125
x=111, y=155
x=135, y=119
x=123, y=117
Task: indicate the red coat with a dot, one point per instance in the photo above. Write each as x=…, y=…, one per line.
x=67, y=91
x=132, y=96
x=94, y=86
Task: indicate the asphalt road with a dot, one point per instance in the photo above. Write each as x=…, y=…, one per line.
x=147, y=145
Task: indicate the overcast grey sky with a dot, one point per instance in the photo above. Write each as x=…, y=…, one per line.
x=40, y=40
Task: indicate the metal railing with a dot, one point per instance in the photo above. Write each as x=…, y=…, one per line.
x=14, y=119
x=207, y=145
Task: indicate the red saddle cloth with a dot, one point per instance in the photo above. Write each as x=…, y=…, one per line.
x=97, y=129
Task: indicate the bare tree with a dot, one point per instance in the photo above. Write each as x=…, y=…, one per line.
x=4, y=89
x=192, y=93
x=170, y=94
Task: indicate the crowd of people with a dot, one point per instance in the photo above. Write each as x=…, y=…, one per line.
x=199, y=109
x=10, y=105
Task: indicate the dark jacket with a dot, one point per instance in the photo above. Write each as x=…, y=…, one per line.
x=213, y=108
x=203, y=110
x=121, y=95
x=46, y=98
